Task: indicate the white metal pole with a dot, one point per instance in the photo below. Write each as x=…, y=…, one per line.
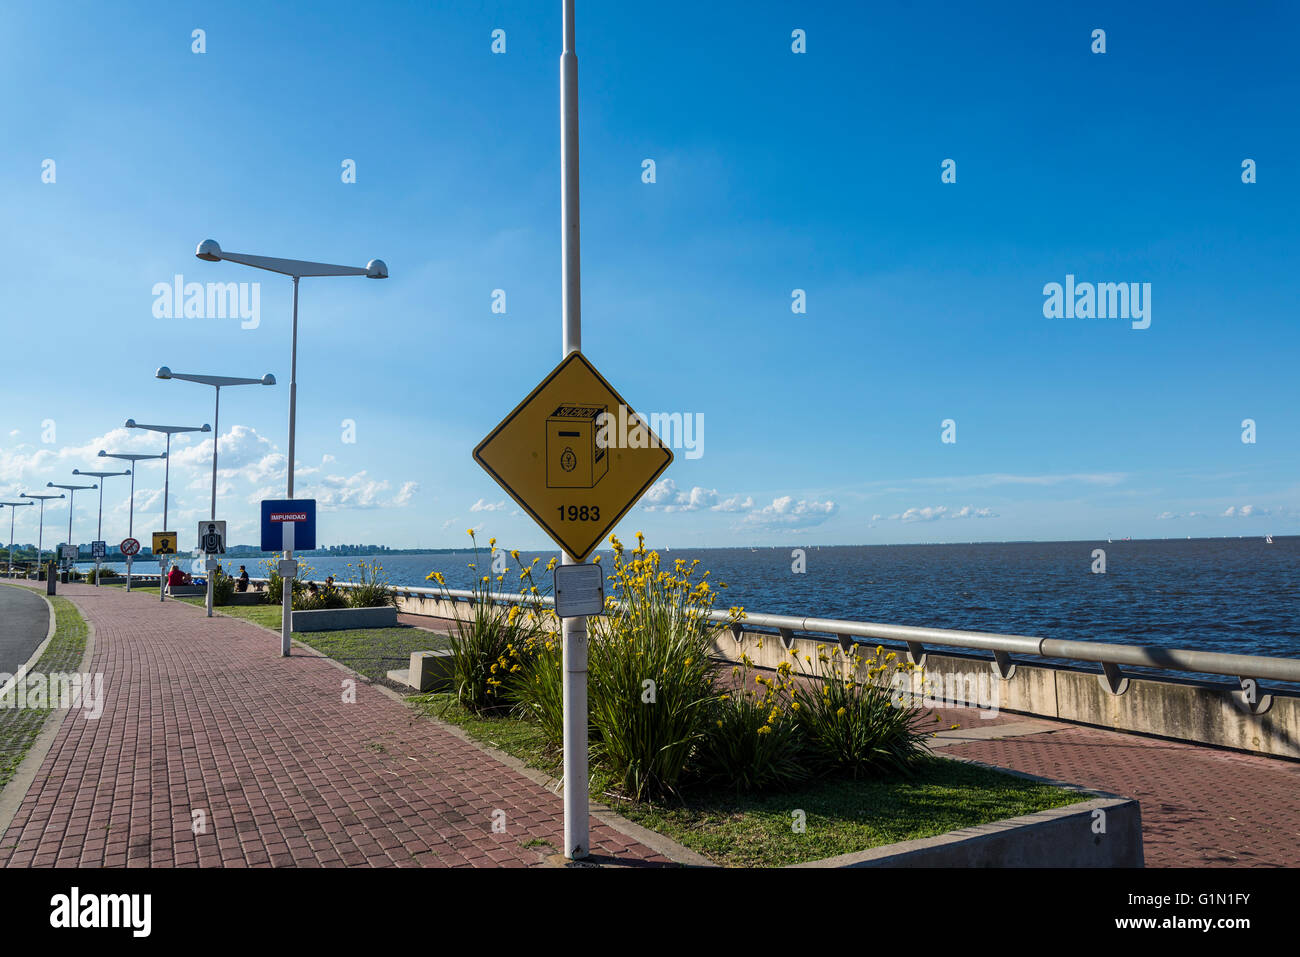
x=99, y=528
x=162, y=559
x=216, y=436
x=40, y=539
x=12, y=516
x=576, y=825
x=130, y=523
x=286, y=581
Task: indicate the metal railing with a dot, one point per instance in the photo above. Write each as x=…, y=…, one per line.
x=1109, y=655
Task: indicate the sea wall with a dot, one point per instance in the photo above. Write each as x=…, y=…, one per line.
x=1214, y=713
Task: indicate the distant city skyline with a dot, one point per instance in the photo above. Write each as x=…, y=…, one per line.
x=1046, y=293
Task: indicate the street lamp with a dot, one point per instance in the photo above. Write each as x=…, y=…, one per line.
x=169, y=431
x=72, y=498
x=296, y=269
x=216, y=381
x=40, y=536
x=131, y=457
x=12, y=515
x=99, y=529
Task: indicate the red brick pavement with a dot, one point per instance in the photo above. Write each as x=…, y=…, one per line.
x=204, y=715
x=1201, y=807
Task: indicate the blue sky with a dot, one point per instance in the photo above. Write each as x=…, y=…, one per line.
x=775, y=171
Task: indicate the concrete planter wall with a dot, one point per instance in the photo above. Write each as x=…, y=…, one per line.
x=1102, y=832
x=344, y=619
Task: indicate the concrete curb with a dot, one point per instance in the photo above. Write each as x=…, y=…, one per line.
x=15, y=792
x=1057, y=837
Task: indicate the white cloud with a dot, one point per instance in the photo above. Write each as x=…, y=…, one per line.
x=787, y=511
x=664, y=496
x=1244, y=511
x=932, y=513
x=483, y=505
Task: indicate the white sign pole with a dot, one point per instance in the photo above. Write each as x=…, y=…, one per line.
x=130, y=521
x=576, y=827
x=216, y=434
x=286, y=596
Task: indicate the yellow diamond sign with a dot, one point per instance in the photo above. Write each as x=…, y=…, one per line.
x=574, y=456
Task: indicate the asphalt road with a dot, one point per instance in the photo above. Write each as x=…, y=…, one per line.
x=24, y=622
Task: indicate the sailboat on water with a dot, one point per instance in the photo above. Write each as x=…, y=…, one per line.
x=1268, y=539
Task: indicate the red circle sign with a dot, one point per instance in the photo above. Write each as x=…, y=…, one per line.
x=130, y=546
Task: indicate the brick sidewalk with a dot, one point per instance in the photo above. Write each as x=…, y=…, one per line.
x=203, y=715
x=1201, y=807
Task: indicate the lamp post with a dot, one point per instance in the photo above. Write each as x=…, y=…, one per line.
x=99, y=529
x=72, y=498
x=131, y=457
x=40, y=536
x=12, y=514
x=169, y=431
x=216, y=381
x=210, y=251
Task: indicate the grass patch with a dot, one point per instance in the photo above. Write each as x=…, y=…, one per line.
x=843, y=816
x=268, y=616
x=373, y=651
x=19, y=727
x=756, y=830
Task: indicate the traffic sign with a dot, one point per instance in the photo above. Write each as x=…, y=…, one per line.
x=164, y=543
x=98, y=550
x=288, y=524
x=212, y=537
x=579, y=590
x=574, y=456
x=69, y=552
x=130, y=547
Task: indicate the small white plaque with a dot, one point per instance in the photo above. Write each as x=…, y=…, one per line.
x=579, y=590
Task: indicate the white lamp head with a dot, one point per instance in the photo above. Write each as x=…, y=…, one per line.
x=268, y=379
x=163, y=373
x=209, y=251
x=130, y=423
x=376, y=269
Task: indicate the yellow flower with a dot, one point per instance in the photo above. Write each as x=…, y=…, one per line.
x=766, y=729
x=841, y=713
x=469, y=532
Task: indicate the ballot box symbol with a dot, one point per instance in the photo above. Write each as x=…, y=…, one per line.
x=574, y=459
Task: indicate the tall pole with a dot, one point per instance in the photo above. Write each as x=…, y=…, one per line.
x=162, y=559
x=286, y=581
x=216, y=437
x=130, y=527
x=12, y=516
x=99, y=529
x=576, y=826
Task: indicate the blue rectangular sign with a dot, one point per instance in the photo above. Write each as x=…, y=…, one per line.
x=288, y=524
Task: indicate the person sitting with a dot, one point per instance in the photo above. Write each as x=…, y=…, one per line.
x=175, y=577
x=312, y=590
x=241, y=584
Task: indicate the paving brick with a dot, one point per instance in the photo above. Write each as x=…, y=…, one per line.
x=204, y=714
